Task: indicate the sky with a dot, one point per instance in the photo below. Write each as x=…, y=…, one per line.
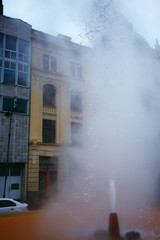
x=65, y=16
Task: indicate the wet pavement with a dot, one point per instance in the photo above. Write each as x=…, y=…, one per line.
x=32, y=225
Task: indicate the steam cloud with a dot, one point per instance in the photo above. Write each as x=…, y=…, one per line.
x=121, y=132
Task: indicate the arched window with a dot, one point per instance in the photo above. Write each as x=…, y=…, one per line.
x=49, y=95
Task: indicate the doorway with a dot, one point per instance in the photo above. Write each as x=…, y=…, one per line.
x=47, y=175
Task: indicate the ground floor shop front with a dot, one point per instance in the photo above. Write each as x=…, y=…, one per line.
x=43, y=170
x=13, y=180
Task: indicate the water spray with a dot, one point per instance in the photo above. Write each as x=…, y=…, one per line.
x=112, y=195
x=113, y=228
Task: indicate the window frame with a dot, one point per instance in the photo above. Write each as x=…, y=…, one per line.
x=45, y=62
x=18, y=102
x=48, y=132
x=9, y=69
x=76, y=136
x=76, y=101
x=49, y=95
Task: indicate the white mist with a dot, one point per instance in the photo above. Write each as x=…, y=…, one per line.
x=120, y=127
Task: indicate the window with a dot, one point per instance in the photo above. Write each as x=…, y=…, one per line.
x=76, y=101
x=23, y=47
x=49, y=95
x=9, y=72
x=79, y=71
x=14, y=186
x=10, y=43
x=1, y=45
x=76, y=70
x=53, y=64
x=9, y=76
x=48, y=160
x=9, y=54
x=22, y=78
x=7, y=104
x=76, y=137
x=1, y=41
x=4, y=169
x=16, y=169
x=23, y=74
x=15, y=72
x=45, y=62
x=72, y=69
x=6, y=203
x=23, y=50
x=21, y=105
x=48, y=132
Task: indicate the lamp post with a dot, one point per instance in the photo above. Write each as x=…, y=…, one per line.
x=9, y=113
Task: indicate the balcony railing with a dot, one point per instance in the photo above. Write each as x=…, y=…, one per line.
x=49, y=109
x=76, y=114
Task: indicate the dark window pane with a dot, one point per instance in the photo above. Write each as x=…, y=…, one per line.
x=6, y=203
x=7, y=54
x=15, y=169
x=49, y=95
x=13, y=65
x=26, y=68
x=9, y=76
x=46, y=160
x=6, y=64
x=1, y=41
x=20, y=57
x=14, y=186
x=0, y=63
x=1, y=53
x=26, y=58
x=13, y=55
x=45, y=62
x=48, y=131
x=20, y=67
x=4, y=169
x=22, y=78
x=9, y=104
x=76, y=136
x=23, y=46
x=53, y=64
x=10, y=43
x=76, y=101
x=21, y=106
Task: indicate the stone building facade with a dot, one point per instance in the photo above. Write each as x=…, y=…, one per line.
x=41, y=107
x=56, y=113
x=15, y=38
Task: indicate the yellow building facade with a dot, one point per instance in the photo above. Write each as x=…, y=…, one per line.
x=56, y=108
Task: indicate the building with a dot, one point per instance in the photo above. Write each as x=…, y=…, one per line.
x=15, y=42
x=41, y=106
x=56, y=111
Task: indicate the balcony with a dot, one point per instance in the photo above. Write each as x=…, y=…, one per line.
x=76, y=114
x=49, y=111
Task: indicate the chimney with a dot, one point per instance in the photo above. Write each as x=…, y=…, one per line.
x=1, y=7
